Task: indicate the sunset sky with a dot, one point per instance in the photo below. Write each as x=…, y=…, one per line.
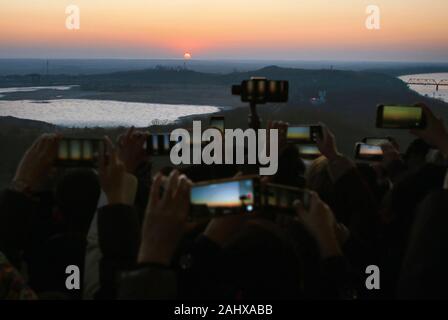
x=411, y=30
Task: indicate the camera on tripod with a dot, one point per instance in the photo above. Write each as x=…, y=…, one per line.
x=259, y=90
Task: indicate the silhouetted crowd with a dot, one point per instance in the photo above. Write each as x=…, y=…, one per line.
x=130, y=233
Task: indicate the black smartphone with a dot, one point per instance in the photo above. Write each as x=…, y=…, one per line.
x=217, y=122
x=400, y=117
x=79, y=152
x=159, y=144
x=262, y=90
x=224, y=197
x=306, y=134
x=309, y=152
x=281, y=198
x=377, y=141
x=368, y=152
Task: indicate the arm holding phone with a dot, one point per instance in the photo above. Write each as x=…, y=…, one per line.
x=163, y=228
x=338, y=164
x=435, y=132
x=17, y=205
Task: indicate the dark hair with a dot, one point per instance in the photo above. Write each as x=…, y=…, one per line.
x=76, y=197
x=424, y=269
x=291, y=168
x=415, y=155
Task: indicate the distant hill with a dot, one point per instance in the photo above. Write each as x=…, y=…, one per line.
x=14, y=122
x=349, y=106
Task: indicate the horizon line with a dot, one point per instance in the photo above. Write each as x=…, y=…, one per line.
x=235, y=60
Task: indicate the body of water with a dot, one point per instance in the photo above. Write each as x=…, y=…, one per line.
x=101, y=113
x=31, y=89
x=92, y=113
x=429, y=91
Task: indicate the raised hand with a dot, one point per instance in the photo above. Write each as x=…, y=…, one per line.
x=131, y=149
x=327, y=143
x=321, y=223
x=435, y=132
x=36, y=163
x=112, y=175
x=390, y=154
x=166, y=219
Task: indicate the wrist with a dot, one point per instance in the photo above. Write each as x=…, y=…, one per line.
x=113, y=199
x=21, y=185
x=155, y=256
x=329, y=245
x=443, y=147
x=333, y=156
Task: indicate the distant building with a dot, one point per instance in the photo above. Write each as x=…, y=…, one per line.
x=320, y=99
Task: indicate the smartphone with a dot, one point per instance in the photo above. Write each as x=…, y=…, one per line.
x=159, y=144
x=309, y=152
x=281, y=198
x=400, y=117
x=218, y=122
x=304, y=134
x=377, y=141
x=79, y=152
x=262, y=90
x=224, y=197
x=368, y=152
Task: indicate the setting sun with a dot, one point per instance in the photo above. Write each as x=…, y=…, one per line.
x=187, y=56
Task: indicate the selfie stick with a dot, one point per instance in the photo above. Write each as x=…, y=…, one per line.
x=254, y=119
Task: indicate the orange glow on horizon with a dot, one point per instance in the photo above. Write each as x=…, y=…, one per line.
x=230, y=26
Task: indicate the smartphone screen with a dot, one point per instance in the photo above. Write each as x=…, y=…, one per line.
x=87, y=150
x=158, y=144
x=74, y=152
x=309, y=152
x=255, y=90
x=298, y=134
x=304, y=134
x=400, y=117
x=166, y=143
x=278, y=91
x=283, y=198
x=63, y=150
x=224, y=197
x=369, y=152
x=155, y=144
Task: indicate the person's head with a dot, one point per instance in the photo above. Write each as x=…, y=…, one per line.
x=370, y=176
x=76, y=198
x=416, y=153
x=423, y=274
x=265, y=263
x=291, y=168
